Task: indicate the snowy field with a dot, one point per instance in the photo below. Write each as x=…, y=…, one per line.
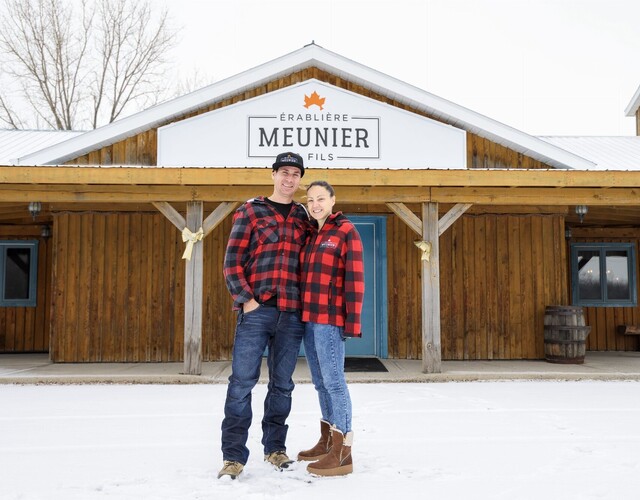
x=479, y=440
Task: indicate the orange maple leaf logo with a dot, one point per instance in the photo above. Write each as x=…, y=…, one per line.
x=313, y=99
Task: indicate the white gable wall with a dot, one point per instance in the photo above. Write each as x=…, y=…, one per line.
x=342, y=129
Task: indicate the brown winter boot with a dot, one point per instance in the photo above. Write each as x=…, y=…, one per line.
x=323, y=446
x=338, y=462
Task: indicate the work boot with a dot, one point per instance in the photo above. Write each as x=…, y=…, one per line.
x=278, y=459
x=231, y=468
x=322, y=447
x=338, y=461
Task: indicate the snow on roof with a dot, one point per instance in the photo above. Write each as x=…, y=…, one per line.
x=310, y=56
x=608, y=153
x=17, y=143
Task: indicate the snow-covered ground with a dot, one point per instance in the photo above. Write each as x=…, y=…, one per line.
x=479, y=440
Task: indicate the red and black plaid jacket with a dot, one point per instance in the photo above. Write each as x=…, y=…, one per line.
x=263, y=254
x=333, y=276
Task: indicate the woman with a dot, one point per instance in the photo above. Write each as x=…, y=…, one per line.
x=332, y=294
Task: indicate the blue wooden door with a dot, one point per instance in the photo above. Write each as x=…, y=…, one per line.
x=374, y=312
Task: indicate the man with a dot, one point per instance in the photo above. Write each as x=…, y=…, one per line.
x=261, y=268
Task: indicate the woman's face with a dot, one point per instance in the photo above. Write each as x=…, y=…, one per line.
x=320, y=202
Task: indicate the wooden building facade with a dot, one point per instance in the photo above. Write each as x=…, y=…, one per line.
x=111, y=281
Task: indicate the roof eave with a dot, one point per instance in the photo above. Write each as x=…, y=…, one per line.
x=634, y=104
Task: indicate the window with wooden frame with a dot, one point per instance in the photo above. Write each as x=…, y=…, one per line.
x=603, y=274
x=18, y=273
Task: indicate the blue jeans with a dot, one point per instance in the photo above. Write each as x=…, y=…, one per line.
x=324, y=348
x=282, y=332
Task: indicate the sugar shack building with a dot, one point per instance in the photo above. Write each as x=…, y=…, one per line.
x=472, y=229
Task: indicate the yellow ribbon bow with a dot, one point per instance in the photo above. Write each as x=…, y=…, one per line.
x=190, y=238
x=425, y=247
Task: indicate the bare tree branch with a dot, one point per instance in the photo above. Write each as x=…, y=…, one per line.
x=8, y=115
x=84, y=65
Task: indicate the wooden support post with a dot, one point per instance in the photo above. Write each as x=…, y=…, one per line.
x=193, y=275
x=431, y=354
x=193, y=296
x=430, y=228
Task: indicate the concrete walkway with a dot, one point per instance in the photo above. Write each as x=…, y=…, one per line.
x=37, y=369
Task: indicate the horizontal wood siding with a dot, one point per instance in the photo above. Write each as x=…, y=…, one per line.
x=497, y=275
x=26, y=329
x=119, y=290
x=604, y=320
x=141, y=149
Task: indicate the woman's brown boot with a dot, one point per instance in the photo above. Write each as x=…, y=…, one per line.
x=338, y=462
x=323, y=446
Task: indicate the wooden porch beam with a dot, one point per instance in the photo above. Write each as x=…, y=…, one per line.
x=218, y=215
x=534, y=196
x=451, y=216
x=24, y=193
x=111, y=194
x=414, y=222
x=407, y=216
x=171, y=213
x=145, y=175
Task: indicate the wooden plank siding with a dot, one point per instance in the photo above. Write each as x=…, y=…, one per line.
x=119, y=289
x=495, y=285
x=119, y=293
x=604, y=320
x=141, y=149
x=26, y=329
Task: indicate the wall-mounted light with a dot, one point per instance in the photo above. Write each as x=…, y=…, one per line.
x=581, y=211
x=34, y=208
x=45, y=232
x=567, y=233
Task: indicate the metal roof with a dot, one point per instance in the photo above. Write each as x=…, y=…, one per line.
x=17, y=143
x=608, y=153
x=311, y=56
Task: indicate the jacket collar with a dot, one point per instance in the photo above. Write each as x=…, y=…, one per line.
x=336, y=218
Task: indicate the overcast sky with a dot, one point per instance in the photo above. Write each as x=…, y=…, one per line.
x=547, y=67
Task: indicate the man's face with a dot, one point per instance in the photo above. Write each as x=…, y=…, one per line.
x=286, y=181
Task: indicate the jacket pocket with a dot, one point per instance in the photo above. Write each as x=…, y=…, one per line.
x=267, y=230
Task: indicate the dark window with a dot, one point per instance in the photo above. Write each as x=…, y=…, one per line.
x=603, y=274
x=18, y=273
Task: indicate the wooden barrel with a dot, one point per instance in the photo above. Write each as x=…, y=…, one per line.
x=565, y=334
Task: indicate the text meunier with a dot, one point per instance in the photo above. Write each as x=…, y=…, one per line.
x=337, y=135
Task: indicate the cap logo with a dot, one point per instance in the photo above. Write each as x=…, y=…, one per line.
x=289, y=159
x=314, y=99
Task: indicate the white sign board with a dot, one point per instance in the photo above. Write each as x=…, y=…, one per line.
x=328, y=126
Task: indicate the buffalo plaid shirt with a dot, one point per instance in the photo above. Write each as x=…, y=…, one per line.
x=262, y=259
x=333, y=276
